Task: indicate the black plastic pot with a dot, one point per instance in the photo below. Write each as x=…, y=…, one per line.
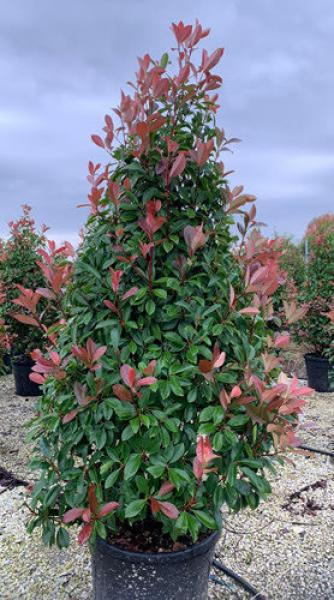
x=21, y=371
x=317, y=369
x=122, y=575
x=7, y=361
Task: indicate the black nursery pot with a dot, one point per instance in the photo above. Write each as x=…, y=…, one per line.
x=21, y=371
x=317, y=369
x=7, y=361
x=122, y=575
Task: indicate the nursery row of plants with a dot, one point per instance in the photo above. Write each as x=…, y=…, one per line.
x=155, y=345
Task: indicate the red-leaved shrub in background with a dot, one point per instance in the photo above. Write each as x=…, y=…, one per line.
x=315, y=331
x=18, y=267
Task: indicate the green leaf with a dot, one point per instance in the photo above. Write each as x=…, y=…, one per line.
x=101, y=529
x=111, y=479
x=156, y=471
x=260, y=483
x=63, y=538
x=217, y=329
x=132, y=465
x=167, y=245
x=51, y=496
x=181, y=523
x=164, y=60
x=134, y=508
x=205, y=518
x=243, y=487
x=178, y=476
x=193, y=526
x=150, y=307
x=159, y=293
x=105, y=324
x=83, y=266
x=127, y=433
x=238, y=420
x=101, y=438
x=207, y=413
x=106, y=467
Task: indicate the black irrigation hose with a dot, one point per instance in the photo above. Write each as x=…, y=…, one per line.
x=215, y=579
x=247, y=586
x=317, y=450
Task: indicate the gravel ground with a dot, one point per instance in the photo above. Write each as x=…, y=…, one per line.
x=285, y=552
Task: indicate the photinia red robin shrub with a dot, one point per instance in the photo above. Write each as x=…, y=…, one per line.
x=163, y=400
x=315, y=331
x=18, y=267
x=33, y=276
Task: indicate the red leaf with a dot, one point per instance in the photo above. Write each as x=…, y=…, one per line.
x=149, y=370
x=128, y=375
x=172, y=146
x=155, y=505
x=115, y=279
x=208, y=62
x=70, y=416
x=98, y=140
x=219, y=361
x=87, y=515
x=131, y=292
x=85, y=533
x=108, y=508
x=92, y=499
x=224, y=399
x=26, y=319
x=236, y=392
x=183, y=75
x=194, y=238
x=146, y=381
x=178, y=166
x=169, y=509
x=166, y=488
x=46, y=293
x=110, y=305
x=72, y=515
x=249, y=310
x=232, y=296
x=204, y=451
x=205, y=366
x=282, y=341
x=37, y=378
x=99, y=352
x=197, y=469
x=122, y=392
x=80, y=392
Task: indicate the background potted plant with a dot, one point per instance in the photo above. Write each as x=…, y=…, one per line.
x=161, y=399
x=18, y=267
x=314, y=332
x=22, y=280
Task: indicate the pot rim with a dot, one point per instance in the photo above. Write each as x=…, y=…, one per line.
x=316, y=357
x=196, y=549
x=22, y=361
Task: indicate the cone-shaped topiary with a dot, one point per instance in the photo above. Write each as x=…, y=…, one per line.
x=167, y=408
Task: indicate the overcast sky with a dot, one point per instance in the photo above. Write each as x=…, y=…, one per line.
x=63, y=63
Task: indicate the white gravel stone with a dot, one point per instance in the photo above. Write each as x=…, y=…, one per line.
x=285, y=555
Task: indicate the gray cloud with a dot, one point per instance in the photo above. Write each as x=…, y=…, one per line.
x=62, y=65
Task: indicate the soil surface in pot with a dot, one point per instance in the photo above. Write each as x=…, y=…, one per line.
x=147, y=536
